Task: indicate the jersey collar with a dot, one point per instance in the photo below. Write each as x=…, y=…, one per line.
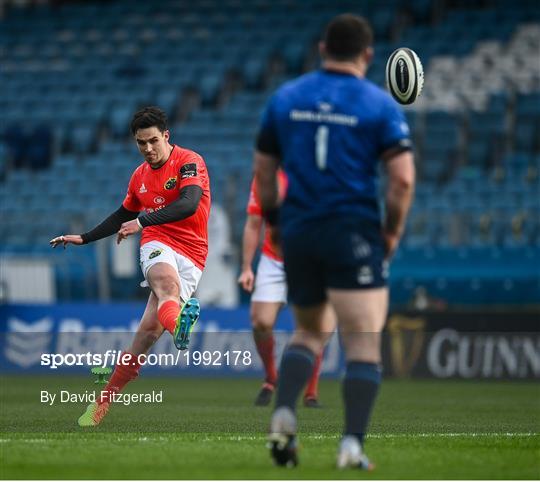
x=339, y=72
x=167, y=161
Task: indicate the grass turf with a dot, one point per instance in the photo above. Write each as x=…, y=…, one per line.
x=209, y=429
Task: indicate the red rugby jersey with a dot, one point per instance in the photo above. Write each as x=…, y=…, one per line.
x=152, y=189
x=254, y=208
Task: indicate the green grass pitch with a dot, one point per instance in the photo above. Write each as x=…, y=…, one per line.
x=209, y=429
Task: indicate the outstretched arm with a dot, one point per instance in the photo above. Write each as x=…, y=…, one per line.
x=109, y=226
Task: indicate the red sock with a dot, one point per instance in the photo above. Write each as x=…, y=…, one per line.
x=167, y=315
x=123, y=373
x=312, y=388
x=265, y=348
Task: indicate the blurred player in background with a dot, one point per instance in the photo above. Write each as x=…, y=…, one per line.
x=328, y=130
x=172, y=187
x=269, y=295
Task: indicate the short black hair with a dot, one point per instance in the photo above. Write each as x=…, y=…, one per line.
x=149, y=117
x=347, y=36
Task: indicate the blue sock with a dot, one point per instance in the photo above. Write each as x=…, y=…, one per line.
x=294, y=372
x=360, y=389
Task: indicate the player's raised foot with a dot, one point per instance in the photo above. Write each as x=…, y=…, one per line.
x=185, y=322
x=282, y=438
x=264, y=397
x=94, y=414
x=350, y=454
x=312, y=402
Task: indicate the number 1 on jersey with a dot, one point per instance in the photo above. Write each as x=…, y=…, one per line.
x=321, y=147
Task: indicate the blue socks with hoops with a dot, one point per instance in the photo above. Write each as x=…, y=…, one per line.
x=294, y=372
x=360, y=388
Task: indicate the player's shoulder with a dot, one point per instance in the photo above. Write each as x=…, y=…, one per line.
x=183, y=155
x=312, y=80
x=379, y=93
x=379, y=96
x=372, y=101
x=140, y=169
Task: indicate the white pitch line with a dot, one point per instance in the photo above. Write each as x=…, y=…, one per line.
x=239, y=438
x=29, y=440
x=450, y=435
x=429, y=435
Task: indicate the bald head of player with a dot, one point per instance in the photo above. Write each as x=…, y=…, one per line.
x=149, y=128
x=347, y=45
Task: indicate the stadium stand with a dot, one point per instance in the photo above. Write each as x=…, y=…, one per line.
x=73, y=73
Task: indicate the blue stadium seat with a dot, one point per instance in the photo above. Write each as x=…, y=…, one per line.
x=526, y=136
x=83, y=137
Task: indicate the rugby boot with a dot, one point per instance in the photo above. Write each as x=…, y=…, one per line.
x=265, y=395
x=350, y=454
x=189, y=315
x=94, y=414
x=282, y=438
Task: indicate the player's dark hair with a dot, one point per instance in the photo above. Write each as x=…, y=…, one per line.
x=149, y=117
x=347, y=36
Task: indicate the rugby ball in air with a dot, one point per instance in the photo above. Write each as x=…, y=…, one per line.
x=404, y=75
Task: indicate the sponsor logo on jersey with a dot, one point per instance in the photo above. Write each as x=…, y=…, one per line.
x=170, y=184
x=142, y=189
x=188, y=170
x=323, y=116
x=159, y=199
x=325, y=106
x=154, y=254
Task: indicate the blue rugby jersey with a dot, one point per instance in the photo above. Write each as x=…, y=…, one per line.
x=329, y=129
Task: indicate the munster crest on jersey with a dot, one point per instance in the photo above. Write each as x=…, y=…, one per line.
x=170, y=184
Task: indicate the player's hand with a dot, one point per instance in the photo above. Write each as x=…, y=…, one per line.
x=127, y=229
x=391, y=242
x=247, y=280
x=66, y=239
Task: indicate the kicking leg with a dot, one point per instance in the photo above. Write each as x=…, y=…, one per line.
x=147, y=334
